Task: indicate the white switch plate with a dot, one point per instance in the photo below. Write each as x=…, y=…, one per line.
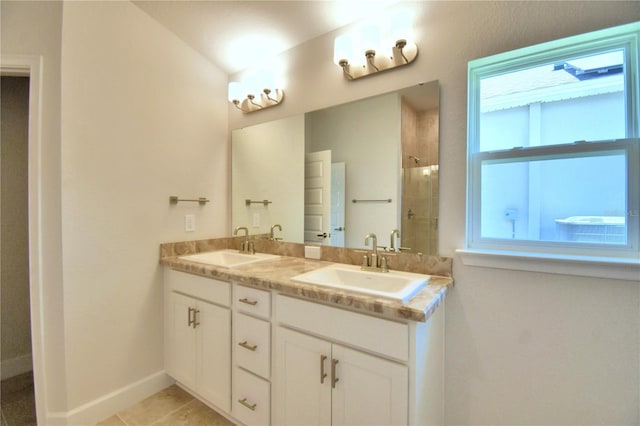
x=189, y=223
x=256, y=220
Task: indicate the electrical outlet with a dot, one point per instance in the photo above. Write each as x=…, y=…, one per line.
x=189, y=223
x=256, y=220
x=511, y=214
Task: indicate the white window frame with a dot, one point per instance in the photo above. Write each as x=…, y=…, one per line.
x=559, y=257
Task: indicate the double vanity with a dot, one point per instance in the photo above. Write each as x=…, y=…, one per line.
x=277, y=338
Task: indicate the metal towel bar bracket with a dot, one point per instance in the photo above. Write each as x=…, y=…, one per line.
x=265, y=202
x=173, y=199
x=387, y=200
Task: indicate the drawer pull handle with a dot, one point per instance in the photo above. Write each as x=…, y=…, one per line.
x=244, y=402
x=193, y=319
x=334, y=379
x=248, y=346
x=323, y=358
x=248, y=301
x=189, y=320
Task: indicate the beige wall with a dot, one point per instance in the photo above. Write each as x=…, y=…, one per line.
x=15, y=321
x=522, y=348
x=143, y=117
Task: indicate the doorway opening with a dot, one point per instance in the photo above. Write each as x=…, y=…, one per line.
x=18, y=397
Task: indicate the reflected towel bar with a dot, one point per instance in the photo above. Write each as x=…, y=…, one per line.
x=265, y=202
x=173, y=199
x=387, y=200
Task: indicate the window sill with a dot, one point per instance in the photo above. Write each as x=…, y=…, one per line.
x=584, y=266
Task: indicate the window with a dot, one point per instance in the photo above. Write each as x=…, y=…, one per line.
x=553, y=148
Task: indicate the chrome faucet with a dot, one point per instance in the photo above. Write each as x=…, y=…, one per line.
x=272, y=237
x=374, y=265
x=246, y=246
x=392, y=240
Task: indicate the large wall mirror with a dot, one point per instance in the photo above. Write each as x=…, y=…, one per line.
x=334, y=175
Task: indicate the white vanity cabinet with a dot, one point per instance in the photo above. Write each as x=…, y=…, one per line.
x=324, y=383
x=198, y=335
x=262, y=357
x=251, y=402
x=336, y=367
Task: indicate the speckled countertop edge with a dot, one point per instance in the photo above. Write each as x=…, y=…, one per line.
x=276, y=275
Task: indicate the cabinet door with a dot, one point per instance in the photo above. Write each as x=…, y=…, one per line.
x=181, y=348
x=369, y=390
x=301, y=395
x=213, y=355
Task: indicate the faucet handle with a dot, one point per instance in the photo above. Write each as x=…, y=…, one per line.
x=383, y=264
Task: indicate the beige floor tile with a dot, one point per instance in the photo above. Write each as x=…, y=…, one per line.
x=155, y=407
x=194, y=414
x=112, y=421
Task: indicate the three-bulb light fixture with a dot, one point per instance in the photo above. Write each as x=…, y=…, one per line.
x=376, y=48
x=259, y=90
x=372, y=49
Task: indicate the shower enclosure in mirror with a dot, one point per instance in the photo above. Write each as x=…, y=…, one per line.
x=334, y=175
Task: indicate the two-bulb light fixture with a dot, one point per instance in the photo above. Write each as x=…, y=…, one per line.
x=258, y=91
x=376, y=47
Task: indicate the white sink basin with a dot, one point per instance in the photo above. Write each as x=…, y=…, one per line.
x=228, y=258
x=396, y=285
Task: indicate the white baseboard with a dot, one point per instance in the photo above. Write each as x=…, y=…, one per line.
x=15, y=366
x=109, y=404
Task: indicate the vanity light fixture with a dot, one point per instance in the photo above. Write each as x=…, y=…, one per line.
x=376, y=48
x=256, y=93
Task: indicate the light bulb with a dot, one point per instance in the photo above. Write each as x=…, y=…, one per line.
x=236, y=92
x=400, y=27
x=370, y=39
x=252, y=83
x=343, y=49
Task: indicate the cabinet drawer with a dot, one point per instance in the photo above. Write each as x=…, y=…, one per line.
x=251, y=398
x=377, y=335
x=252, y=344
x=251, y=300
x=208, y=289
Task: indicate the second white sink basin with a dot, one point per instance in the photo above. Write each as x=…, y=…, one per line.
x=228, y=258
x=396, y=285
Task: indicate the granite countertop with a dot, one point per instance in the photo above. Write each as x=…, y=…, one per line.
x=276, y=275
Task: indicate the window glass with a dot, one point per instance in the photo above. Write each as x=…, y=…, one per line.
x=577, y=200
x=553, y=148
x=560, y=102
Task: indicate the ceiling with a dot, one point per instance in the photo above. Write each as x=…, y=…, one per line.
x=234, y=35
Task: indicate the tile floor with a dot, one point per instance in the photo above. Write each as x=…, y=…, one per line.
x=17, y=401
x=171, y=406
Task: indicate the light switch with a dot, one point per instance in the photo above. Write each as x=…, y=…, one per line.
x=189, y=223
x=256, y=220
